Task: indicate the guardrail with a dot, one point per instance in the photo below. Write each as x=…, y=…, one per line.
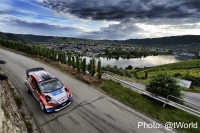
x=159, y=98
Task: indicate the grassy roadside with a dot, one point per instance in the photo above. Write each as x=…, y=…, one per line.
x=149, y=106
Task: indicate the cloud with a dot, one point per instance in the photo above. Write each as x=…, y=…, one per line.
x=115, y=31
x=133, y=16
x=37, y=28
x=5, y=13
x=101, y=19
x=120, y=9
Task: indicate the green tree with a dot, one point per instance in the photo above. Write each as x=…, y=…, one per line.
x=115, y=67
x=73, y=62
x=33, y=50
x=129, y=67
x=146, y=74
x=127, y=74
x=84, y=65
x=59, y=56
x=99, y=69
x=93, y=67
x=81, y=64
x=69, y=60
x=54, y=55
x=63, y=57
x=89, y=68
x=128, y=55
x=108, y=66
x=77, y=63
x=164, y=85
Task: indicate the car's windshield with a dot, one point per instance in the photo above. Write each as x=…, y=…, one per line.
x=49, y=86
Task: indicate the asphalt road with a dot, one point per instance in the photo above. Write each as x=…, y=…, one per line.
x=90, y=112
x=193, y=99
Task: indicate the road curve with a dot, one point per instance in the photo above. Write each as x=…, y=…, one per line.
x=193, y=98
x=90, y=112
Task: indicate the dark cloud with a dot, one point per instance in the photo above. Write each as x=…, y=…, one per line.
x=130, y=16
x=5, y=12
x=35, y=25
x=120, y=9
x=115, y=31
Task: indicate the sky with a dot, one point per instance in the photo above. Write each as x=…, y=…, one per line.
x=101, y=19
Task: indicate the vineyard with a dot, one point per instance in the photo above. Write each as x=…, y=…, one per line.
x=177, y=66
x=189, y=70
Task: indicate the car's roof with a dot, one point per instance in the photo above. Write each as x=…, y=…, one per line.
x=42, y=75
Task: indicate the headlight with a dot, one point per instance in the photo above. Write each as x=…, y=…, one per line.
x=48, y=107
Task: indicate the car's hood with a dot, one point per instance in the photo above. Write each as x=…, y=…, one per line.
x=59, y=95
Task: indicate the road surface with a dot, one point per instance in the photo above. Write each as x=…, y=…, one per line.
x=90, y=112
x=193, y=98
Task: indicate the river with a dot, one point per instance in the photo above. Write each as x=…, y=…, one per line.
x=148, y=61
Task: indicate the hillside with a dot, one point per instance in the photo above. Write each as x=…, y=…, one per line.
x=190, y=42
x=50, y=39
x=188, y=70
x=13, y=37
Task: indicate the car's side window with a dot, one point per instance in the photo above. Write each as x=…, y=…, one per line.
x=29, y=78
x=37, y=87
x=33, y=82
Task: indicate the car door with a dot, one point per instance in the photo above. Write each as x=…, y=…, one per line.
x=35, y=88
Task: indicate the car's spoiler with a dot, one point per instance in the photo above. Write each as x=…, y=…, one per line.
x=33, y=70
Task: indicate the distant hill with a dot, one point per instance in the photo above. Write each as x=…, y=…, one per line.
x=49, y=39
x=13, y=37
x=189, y=42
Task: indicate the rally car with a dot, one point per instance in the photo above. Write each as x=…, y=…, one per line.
x=47, y=89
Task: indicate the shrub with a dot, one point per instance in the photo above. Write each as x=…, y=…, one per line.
x=164, y=85
x=18, y=100
x=129, y=67
x=29, y=126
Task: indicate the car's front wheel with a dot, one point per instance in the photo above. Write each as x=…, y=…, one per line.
x=27, y=89
x=42, y=107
